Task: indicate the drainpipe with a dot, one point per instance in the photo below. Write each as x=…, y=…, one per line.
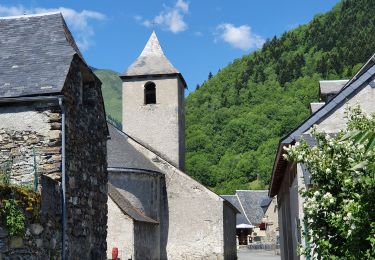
x=63, y=181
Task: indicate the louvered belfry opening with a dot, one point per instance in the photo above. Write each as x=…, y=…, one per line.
x=150, y=93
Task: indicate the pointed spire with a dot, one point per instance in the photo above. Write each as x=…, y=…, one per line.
x=151, y=61
x=152, y=47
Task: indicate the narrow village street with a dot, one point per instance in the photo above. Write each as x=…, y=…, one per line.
x=246, y=254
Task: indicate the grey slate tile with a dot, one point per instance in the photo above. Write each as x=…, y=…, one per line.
x=121, y=154
x=35, y=54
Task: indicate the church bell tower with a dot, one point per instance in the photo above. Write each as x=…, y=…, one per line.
x=153, y=103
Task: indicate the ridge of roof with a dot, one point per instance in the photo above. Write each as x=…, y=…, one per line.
x=28, y=15
x=365, y=74
x=243, y=210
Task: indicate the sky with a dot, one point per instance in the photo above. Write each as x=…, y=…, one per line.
x=198, y=36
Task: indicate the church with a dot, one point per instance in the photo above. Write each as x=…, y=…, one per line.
x=155, y=210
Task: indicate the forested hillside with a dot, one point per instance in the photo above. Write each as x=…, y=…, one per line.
x=111, y=88
x=236, y=118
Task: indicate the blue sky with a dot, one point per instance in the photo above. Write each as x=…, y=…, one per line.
x=198, y=36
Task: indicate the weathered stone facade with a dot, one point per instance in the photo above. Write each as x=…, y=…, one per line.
x=39, y=137
x=31, y=138
x=52, y=125
x=86, y=164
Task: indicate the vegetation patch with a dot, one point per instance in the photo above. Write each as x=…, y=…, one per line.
x=339, y=219
x=18, y=206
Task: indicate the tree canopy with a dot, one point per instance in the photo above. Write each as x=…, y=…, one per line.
x=236, y=118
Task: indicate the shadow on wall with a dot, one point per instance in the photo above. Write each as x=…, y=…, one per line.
x=164, y=219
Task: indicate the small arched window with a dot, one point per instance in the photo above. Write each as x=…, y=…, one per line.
x=150, y=93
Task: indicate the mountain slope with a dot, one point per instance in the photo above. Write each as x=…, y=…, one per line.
x=112, y=89
x=235, y=119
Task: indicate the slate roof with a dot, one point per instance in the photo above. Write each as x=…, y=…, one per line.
x=127, y=207
x=240, y=217
x=35, y=54
x=250, y=201
x=361, y=79
x=121, y=154
x=152, y=61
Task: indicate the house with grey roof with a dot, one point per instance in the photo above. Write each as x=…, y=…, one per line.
x=53, y=130
x=254, y=207
x=328, y=117
x=155, y=210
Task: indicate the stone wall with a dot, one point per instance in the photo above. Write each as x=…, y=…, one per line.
x=30, y=138
x=86, y=164
x=272, y=222
x=26, y=130
x=42, y=236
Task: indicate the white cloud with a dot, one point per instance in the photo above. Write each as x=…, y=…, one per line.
x=78, y=21
x=170, y=19
x=183, y=6
x=239, y=37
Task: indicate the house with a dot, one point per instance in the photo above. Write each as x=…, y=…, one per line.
x=328, y=116
x=256, y=215
x=270, y=220
x=53, y=131
x=155, y=210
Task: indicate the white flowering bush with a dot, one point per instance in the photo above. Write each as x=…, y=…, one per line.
x=340, y=204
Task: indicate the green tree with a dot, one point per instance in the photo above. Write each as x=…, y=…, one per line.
x=339, y=205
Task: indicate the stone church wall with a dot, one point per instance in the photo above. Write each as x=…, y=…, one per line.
x=192, y=224
x=141, y=189
x=120, y=232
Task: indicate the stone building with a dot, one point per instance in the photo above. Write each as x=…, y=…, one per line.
x=52, y=124
x=328, y=116
x=256, y=218
x=169, y=215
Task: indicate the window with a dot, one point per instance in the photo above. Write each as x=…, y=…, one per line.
x=150, y=93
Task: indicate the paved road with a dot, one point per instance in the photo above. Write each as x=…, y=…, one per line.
x=245, y=254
